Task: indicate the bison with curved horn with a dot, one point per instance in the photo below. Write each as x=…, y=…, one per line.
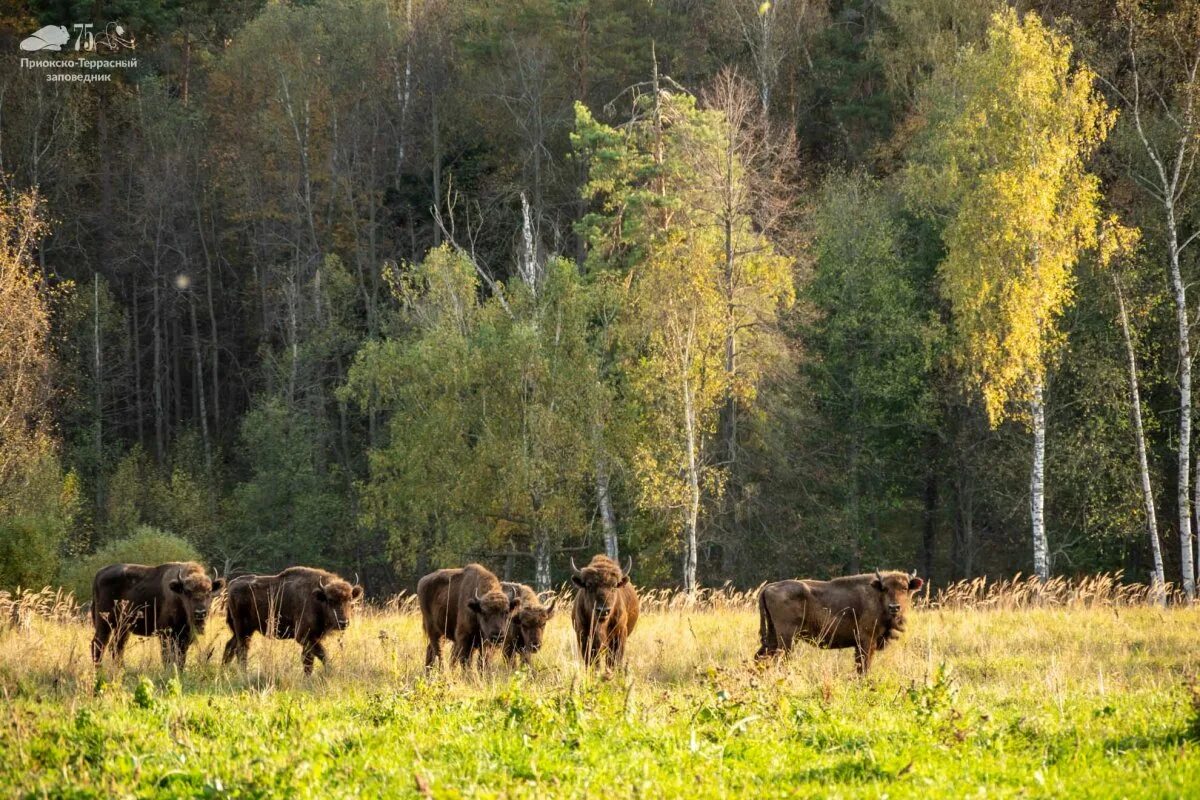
x=300, y=603
x=606, y=609
x=860, y=611
x=170, y=601
x=467, y=606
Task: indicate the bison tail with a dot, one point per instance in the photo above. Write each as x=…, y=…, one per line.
x=766, y=628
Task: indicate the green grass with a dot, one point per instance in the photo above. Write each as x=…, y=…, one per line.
x=1033, y=703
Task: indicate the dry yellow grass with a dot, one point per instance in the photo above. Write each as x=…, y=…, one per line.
x=1020, y=690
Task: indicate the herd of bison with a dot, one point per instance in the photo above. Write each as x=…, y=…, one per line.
x=472, y=608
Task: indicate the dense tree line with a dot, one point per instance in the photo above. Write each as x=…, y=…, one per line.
x=741, y=289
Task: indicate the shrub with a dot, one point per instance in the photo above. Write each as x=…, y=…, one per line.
x=28, y=551
x=146, y=545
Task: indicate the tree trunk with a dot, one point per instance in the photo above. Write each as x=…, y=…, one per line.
x=202, y=411
x=608, y=519
x=160, y=431
x=1037, y=483
x=541, y=558
x=1158, y=577
x=1186, y=564
x=99, y=411
x=929, y=514
x=437, y=168
x=134, y=334
x=692, y=512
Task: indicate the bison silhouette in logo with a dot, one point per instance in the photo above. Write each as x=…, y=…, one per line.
x=51, y=37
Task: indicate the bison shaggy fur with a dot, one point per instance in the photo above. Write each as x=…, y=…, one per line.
x=170, y=601
x=860, y=611
x=605, y=611
x=469, y=607
x=523, y=637
x=300, y=603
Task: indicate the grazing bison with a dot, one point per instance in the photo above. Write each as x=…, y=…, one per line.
x=523, y=636
x=299, y=603
x=170, y=601
x=606, y=609
x=468, y=606
x=860, y=611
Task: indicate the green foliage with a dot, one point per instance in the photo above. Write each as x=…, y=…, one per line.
x=144, y=545
x=877, y=338
x=289, y=509
x=1007, y=132
x=36, y=524
x=492, y=404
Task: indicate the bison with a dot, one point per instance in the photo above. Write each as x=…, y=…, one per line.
x=523, y=637
x=299, y=603
x=606, y=609
x=860, y=611
x=170, y=601
x=469, y=607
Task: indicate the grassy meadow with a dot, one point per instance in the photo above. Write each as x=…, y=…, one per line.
x=990, y=694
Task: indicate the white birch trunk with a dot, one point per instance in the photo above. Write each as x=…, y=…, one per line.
x=692, y=512
x=1135, y=401
x=1186, y=564
x=608, y=519
x=1037, y=487
x=541, y=558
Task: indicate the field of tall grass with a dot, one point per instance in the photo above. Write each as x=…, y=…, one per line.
x=1074, y=689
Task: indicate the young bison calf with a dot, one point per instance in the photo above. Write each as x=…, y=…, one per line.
x=523, y=637
x=860, y=611
x=299, y=603
x=467, y=606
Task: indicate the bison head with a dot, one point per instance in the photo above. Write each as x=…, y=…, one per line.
x=897, y=589
x=334, y=601
x=530, y=622
x=492, y=611
x=195, y=591
x=599, y=584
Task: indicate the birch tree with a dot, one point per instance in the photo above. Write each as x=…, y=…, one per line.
x=695, y=271
x=1117, y=243
x=1161, y=92
x=1001, y=163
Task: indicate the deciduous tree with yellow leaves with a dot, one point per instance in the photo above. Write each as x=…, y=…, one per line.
x=1007, y=130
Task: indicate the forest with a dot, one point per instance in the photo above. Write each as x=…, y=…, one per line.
x=742, y=289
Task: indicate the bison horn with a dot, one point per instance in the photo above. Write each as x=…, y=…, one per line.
x=574, y=568
x=878, y=576
x=628, y=566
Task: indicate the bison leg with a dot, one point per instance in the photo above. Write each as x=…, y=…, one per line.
x=433, y=653
x=462, y=654
x=237, y=646
x=593, y=648
x=862, y=658
x=174, y=647
x=311, y=652
x=181, y=648
x=100, y=638
x=118, y=646
x=614, y=654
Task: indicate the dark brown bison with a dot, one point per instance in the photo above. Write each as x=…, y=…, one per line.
x=468, y=606
x=606, y=609
x=299, y=603
x=523, y=637
x=860, y=611
x=170, y=601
